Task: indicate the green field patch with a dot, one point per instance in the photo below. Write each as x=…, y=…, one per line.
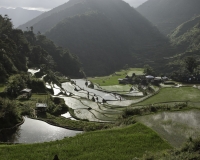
x=39, y=96
x=113, y=79
x=174, y=94
x=175, y=127
x=117, y=88
x=113, y=144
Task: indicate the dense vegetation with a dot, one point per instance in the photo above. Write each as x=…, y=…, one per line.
x=20, y=51
x=166, y=15
x=106, y=35
x=9, y=116
x=46, y=55
x=187, y=36
x=13, y=49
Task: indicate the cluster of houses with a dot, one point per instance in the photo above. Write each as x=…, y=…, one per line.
x=141, y=79
x=191, y=79
x=26, y=94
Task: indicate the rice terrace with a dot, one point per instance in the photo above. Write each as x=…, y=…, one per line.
x=100, y=79
x=164, y=116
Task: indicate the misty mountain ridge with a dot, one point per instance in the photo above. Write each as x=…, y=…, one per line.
x=19, y=15
x=166, y=15
x=106, y=35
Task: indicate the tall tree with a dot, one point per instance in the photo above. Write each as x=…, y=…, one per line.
x=190, y=64
x=148, y=70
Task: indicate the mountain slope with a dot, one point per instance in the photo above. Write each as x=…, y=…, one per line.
x=22, y=50
x=187, y=36
x=169, y=14
x=186, y=39
x=106, y=35
x=19, y=15
x=49, y=19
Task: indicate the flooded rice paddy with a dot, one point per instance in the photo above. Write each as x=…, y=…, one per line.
x=35, y=131
x=175, y=127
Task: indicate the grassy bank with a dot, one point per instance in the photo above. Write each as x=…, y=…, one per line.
x=71, y=124
x=121, y=143
x=113, y=79
x=174, y=94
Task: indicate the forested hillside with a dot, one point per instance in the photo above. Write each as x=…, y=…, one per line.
x=169, y=14
x=106, y=35
x=186, y=41
x=19, y=16
x=187, y=36
x=21, y=50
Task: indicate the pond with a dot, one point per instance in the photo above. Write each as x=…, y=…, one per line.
x=35, y=131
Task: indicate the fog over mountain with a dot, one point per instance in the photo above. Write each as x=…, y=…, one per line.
x=45, y=5
x=22, y=11
x=135, y=3
x=19, y=15
x=166, y=15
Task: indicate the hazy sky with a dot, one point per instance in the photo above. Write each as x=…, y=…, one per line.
x=47, y=4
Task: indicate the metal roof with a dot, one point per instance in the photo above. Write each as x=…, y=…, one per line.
x=26, y=90
x=41, y=105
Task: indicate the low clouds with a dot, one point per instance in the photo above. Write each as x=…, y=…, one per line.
x=48, y=4
x=135, y=3
x=45, y=4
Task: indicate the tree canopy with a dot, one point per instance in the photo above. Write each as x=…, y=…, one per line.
x=21, y=50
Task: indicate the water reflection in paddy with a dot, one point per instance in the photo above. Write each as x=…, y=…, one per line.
x=35, y=131
x=175, y=127
x=106, y=96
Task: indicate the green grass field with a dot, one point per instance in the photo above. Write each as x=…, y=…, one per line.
x=174, y=94
x=114, y=144
x=113, y=79
x=117, y=88
x=43, y=98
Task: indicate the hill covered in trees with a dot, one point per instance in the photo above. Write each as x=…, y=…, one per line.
x=187, y=36
x=186, y=39
x=22, y=50
x=19, y=16
x=169, y=14
x=106, y=35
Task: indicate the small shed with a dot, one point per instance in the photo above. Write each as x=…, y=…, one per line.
x=41, y=107
x=26, y=92
x=149, y=77
x=165, y=78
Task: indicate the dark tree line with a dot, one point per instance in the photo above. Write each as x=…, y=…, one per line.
x=21, y=50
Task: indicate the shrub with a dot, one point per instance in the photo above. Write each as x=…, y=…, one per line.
x=130, y=112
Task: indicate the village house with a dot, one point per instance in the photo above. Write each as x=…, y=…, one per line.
x=26, y=93
x=41, y=107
